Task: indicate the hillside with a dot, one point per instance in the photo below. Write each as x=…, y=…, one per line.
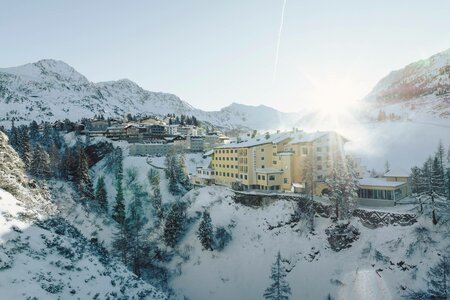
x=420, y=87
x=49, y=90
x=43, y=256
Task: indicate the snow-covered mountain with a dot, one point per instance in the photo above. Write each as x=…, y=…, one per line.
x=420, y=87
x=51, y=89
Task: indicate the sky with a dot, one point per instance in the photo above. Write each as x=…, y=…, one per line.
x=213, y=53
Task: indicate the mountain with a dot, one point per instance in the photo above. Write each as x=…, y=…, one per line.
x=51, y=89
x=423, y=86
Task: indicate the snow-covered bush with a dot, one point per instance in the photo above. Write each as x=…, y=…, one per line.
x=221, y=238
x=341, y=236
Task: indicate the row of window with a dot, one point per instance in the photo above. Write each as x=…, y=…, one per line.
x=226, y=158
x=227, y=174
x=225, y=166
x=227, y=151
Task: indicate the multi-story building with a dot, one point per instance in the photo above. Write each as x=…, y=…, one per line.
x=283, y=161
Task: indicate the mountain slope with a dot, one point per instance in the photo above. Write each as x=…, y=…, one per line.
x=423, y=85
x=42, y=256
x=50, y=90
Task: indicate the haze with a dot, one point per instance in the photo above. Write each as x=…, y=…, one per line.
x=213, y=53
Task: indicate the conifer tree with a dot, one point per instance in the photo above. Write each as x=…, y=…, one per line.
x=157, y=202
x=205, y=231
x=83, y=180
x=437, y=177
x=24, y=145
x=118, y=215
x=34, y=132
x=279, y=288
x=135, y=223
x=101, y=195
x=343, y=183
x=174, y=224
x=40, y=163
x=12, y=136
x=439, y=280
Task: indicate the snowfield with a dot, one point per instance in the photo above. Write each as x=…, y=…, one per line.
x=49, y=259
x=378, y=266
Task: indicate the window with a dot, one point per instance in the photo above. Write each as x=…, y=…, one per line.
x=228, y=151
x=228, y=174
x=274, y=153
x=274, y=162
x=235, y=151
x=245, y=177
x=262, y=167
x=319, y=167
x=263, y=177
x=318, y=149
x=304, y=151
x=259, y=177
x=228, y=158
x=262, y=149
x=271, y=177
x=262, y=158
x=286, y=180
x=319, y=158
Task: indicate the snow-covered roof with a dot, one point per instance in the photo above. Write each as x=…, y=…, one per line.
x=273, y=138
x=308, y=137
x=208, y=153
x=268, y=170
x=380, y=182
x=298, y=185
x=285, y=153
x=397, y=173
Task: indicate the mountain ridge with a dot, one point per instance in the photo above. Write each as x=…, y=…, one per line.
x=51, y=89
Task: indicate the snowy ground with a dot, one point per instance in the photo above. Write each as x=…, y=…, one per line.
x=241, y=271
x=50, y=260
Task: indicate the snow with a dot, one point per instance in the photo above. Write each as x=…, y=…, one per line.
x=36, y=261
x=379, y=182
x=51, y=90
x=397, y=173
x=241, y=270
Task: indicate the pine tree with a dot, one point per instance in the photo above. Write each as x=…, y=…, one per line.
x=13, y=136
x=157, y=202
x=40, y=163
x=25, y=146
x=437, y=177
x=343, y=183
x=118, y=214
x=205, y=231
x=55, y=161
x=279, y=288
x=135, y=223
x=174, y=223
x=416, y=180
x=439, y=280
x=83, y=180
x=34, y=132
x=101, y=195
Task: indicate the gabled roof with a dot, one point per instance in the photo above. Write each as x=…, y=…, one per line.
x=397, y=173
x=273, y=138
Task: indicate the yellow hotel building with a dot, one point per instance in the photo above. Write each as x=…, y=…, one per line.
x=279, y=162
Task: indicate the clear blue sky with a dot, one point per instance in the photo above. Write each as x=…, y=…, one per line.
x=212, y=53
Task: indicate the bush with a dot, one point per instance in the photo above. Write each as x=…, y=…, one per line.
x=221, y=238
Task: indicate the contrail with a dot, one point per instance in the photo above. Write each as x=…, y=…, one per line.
x=278, y=43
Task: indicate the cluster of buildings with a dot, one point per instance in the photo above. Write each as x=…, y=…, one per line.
x=293, y=161
x=154, y=137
